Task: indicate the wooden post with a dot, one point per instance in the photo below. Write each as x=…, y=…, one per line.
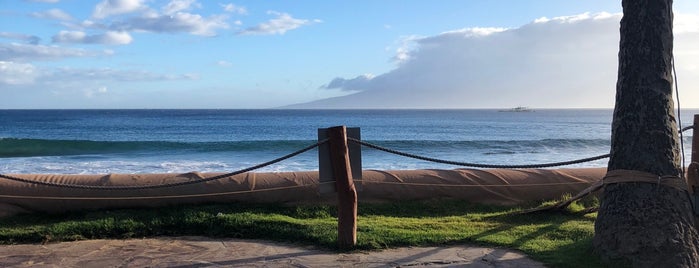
x=693, y=168
x=695, y=140
x=346, y=193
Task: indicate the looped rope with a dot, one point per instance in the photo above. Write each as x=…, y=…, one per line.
x=476, y=165
x=142, y=187
x=618, y=176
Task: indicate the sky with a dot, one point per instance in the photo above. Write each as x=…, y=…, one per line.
x=220, y=54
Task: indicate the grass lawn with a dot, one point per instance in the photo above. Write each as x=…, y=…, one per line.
x=558, y=239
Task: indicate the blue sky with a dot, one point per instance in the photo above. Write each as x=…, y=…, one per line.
x=265, y=54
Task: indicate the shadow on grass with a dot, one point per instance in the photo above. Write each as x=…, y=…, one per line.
x=381, y=225
x=531, y=233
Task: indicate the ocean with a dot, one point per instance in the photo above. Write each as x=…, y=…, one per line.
x=175, y=141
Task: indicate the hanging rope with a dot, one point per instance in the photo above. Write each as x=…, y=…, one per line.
x=476, y=165
x=142, y=187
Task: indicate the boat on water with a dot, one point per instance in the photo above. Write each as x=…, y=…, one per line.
x=518, y=109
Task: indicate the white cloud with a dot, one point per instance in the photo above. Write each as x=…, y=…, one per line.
x=405, y=45
x=30, y=39
x=53, y=14
x=234, y=9
x=579, y=17
x=69, y=37
x=178, y=22
x=25, y=81
x=107, y=38
x=358, y=83
x=25, y=52
x=92, y=92
x=13, y=73
x=476, y=31
x=88, y=82
x=85, y=24
x=108, y=8
x=109, y=74
x=114, y=38
x=568, y=61
x=279, y=25
x=686, y=23
x=547, y=63
x=224, y=63
x=173, y=17
x=179, y=5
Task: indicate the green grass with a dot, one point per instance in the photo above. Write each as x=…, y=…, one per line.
x=558, y=239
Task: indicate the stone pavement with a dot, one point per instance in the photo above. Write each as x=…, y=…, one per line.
x=213, y=252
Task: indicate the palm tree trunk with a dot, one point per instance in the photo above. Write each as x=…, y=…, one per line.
x=648, y=225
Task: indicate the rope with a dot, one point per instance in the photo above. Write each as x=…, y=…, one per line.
x=679, y=114
x=613, y=177
x=476, y=185
x=476, y=165
x=143, y=187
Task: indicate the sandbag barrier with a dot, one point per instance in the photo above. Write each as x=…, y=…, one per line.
x=182, y=183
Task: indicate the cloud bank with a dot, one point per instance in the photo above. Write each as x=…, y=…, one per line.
x=549, y=63
x=111, y=17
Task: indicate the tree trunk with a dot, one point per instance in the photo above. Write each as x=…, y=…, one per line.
x=645, y=224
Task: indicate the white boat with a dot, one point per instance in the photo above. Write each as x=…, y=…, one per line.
x=518, y=109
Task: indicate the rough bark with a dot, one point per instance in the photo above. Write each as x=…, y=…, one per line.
x=646, y=224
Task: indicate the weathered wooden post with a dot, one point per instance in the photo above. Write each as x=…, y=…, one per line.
x=346, y=192
x=693, y=169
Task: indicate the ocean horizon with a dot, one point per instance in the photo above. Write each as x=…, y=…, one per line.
x=90, y=141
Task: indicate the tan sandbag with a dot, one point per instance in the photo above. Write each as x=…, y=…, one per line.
x=484, y=186
x=490, y=186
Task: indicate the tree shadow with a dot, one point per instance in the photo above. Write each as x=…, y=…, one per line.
x=578, y=252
